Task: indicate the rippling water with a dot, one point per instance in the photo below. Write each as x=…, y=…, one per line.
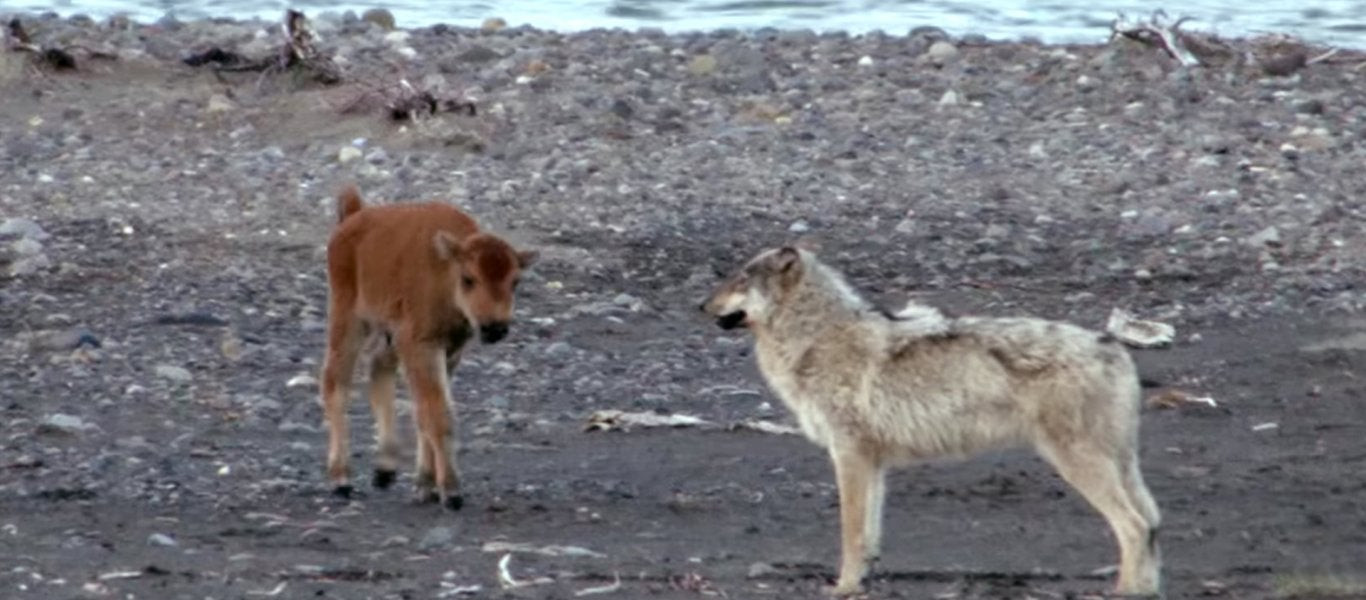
x=1339, y=22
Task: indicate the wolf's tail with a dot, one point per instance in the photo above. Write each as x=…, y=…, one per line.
x=348, y=202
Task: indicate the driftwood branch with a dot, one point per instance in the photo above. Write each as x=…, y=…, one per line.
x=1157, y=31
x=403, y=101
x=18, y=37
x=299, y=50
x=58, y=59
x=297, y=54
x=1276, y=55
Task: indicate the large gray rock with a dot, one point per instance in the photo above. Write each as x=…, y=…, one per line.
x=22, y=228
x=174, y=373
x=436, y=538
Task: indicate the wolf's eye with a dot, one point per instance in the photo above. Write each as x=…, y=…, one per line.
x=467, y=281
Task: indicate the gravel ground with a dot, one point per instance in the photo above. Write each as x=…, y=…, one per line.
x=161, y=235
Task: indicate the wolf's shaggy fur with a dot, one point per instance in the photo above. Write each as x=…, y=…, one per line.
x=880, y=390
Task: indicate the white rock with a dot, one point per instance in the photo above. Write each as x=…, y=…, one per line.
x=558, y=348
x=24, y=228
x=301, y=380
x=1138, y=333
x=27, y=247
x=30, y=265
x=348, y=154
x=296, y=427
x=865, y=61
x=1271, y=236
x=950, y=98
x=66, y=423
x=628, y=301
x=377, y=156
x=799, y=227
x=762, y=569
x=161, y=539
x=173, y=373
x=941, y=51
x=218, y=103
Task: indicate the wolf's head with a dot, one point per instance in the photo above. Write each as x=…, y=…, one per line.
x=748, y=296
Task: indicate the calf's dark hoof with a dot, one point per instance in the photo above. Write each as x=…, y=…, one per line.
x=343, y=491
x=455, y=502
x=383, y=479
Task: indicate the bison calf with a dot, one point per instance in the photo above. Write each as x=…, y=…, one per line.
x=412, y=282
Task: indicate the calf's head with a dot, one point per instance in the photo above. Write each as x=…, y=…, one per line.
x=484, y=271
x=749, y=295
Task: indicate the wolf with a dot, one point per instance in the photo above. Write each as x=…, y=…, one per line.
x=409, y=284
x=879, y=390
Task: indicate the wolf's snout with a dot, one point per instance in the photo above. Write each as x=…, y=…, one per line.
x=731, y=320
x=492, y=332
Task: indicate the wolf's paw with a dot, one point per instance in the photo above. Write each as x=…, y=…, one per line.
x=844, y=590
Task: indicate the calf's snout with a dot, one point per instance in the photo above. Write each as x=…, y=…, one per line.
x=492, y=332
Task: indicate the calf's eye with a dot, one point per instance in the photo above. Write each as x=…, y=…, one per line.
x=467, y=281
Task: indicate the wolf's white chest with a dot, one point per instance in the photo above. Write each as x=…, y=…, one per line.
x=785, y=384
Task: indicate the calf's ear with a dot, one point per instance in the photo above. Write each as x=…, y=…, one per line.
x=526, y=258
x=446, y=246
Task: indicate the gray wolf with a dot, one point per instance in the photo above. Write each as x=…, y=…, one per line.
x=878, y=390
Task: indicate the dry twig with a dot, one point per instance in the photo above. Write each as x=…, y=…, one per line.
x=1157, y=31
x=508, y=582
x=602, y=589
x=403, y=101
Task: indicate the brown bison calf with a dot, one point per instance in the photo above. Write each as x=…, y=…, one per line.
x=413, y=282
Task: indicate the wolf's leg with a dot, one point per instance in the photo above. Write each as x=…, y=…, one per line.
x=1101, y=478
x=872, y=522
x=854, y=475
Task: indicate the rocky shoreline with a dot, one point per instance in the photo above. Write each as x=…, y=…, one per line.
x=161, y=295
x=996, y=150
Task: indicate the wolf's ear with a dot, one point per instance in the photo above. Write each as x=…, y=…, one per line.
x=526, y=258
x=446, y=246
x=786, y=258
x=808, y=243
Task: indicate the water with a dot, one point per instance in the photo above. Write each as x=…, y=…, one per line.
x=1336, y=22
